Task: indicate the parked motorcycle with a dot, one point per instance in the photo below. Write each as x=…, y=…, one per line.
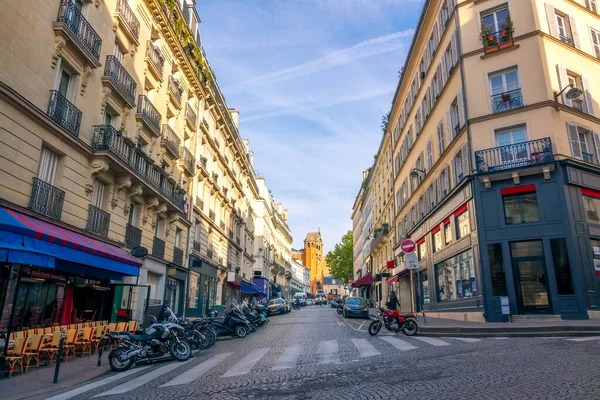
x=253, y=317
x=156, y=341
x=232, y=323
x=394, y=322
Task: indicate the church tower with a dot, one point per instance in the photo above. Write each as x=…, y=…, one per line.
x=313, y=259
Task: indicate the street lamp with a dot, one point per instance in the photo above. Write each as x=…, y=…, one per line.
x=572, y=93
x=414, y=173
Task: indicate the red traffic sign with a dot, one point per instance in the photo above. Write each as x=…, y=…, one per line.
x=408, y=246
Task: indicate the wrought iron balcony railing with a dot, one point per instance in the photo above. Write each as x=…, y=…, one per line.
x=211, y=215
x=87, y=37
x=174, y=91
x=566, y=40
x=170, y=140
x=203, y=162
x=158, y=248
x=149, y=114
x=46, y=199
x=189, y=162
x=155, y=58
x=98, y=221
x=133, y=236
x=588, y=158
x=196, y=246
x=378, y=235
x=64, y=113
x=230, y=232
x=177, y=256
x=200, y=203
x=126, y=14
x=538, y=151
x=190, y=116
x=205, y=125
x=209, y=253
x=222, y=225
x=117, y=75
x=507, y=100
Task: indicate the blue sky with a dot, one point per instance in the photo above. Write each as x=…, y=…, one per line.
x=312, y=79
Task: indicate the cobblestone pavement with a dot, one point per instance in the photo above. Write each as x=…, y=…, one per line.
x=313, y=353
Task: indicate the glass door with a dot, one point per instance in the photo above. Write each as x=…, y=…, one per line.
x=530, y=277
x=512, y=147
x=130, y=302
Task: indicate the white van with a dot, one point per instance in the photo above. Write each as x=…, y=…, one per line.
x=320, y=297
x=301, y=296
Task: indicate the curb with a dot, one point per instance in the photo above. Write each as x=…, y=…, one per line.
x=515, y=334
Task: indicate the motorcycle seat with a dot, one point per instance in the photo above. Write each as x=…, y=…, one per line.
x=139, y=338
x=407, y=315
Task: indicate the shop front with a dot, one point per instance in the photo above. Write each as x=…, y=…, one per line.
x=264, y=286
x=202, y=288
x=364, y=286
x=175, y=288
x=232, y=288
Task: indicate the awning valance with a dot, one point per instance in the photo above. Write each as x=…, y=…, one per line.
x=28, y=240
x=366, y=280
x=251, y=288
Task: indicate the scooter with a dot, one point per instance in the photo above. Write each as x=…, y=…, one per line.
x=232, y=323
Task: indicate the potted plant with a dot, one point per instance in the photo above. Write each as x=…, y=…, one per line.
x=487, y=39
x=505, y=96
x=507, y=29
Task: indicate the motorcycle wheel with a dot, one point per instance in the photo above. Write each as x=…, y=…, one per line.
x=241, y=331
x=410, y=328
x=374, y=328
x=180, y=350
x=210, y=335
x=193, y=338
x=119, y=366
x=204, y=341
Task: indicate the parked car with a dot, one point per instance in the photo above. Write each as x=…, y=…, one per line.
x=336, y=302
x=287, y=306
x=275, y=307
x=356, y=307
x=310, y=302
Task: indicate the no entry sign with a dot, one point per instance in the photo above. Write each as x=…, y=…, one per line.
x=408, y=246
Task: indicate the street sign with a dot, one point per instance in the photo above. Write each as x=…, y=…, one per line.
x=410, y=261
x=408, y=246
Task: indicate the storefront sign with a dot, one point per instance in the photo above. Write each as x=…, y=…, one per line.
x=410, y=261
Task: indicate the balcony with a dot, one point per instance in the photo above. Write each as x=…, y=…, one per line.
x=199, y=204
x=148, y=114
x=203, y=162
x=155, y=60
x=588, y=158
x=98, y=221
x=507, y=101
x=117, y=77
x=538, y=151
x=196, y=246
x=128, y=20
x=215, y=177
x=378, y=235
x=107, y=138
x=158, y=248
x=237, y=240
x=204, y=125
x=190, y=117
x=566, y=40
x=230, y=232
x=64, y=113
x=133, y=236
x=222, y=225
x=188, y=161
x=170, y=141
x=211, y=215
x=209, y=253
x=177, y=256
x=78, y=32
x=46, y=199
x=495, y=41
x=175, y=92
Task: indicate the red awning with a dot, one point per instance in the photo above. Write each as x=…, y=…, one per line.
x=366, y=280
x=397, y=276
x=393, y=280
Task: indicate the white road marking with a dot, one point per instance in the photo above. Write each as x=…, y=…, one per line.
x=192, y=374
x=142, y=380
x=365, y=348
x=500, y=338
x=328, y=352
x=584, y=339
x=245, y=364
x=465, y=339
x=431, y=341
x=289, y=357
x=361, y=325
x=398, y=343
x=94, y=385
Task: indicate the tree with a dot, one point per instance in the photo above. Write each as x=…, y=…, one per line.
x=340, y=260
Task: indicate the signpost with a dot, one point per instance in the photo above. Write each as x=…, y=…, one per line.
x=411, y=262
x=408, y=246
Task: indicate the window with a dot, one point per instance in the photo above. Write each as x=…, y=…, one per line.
x=581, y=141
x=562, y=267
x=583, y=103
x=418, y=124
x=159, y=231
x=429, y=155
x=47, y=166
x=98, y=189
x=437, y=240
x=511, y=151
x=494, y=21
x=562, y=24
x=575, y=81
x=447, y=232
x=453, y=120
x=595, y=42
x=458, y=167
x=592, y=209
x=134, y=214
x=521, y=208
x=440, y=136
x=497, y=271
x=178, y=235
x=463, y=227
x=117, y=52
x=591, y=5
x=456, y=278
x=421, y=249
x=505, y=89
x=423, y=279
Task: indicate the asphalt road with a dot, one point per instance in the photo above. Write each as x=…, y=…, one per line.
x=313, y=353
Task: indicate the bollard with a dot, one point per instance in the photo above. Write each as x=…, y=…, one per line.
x=100, y=349
x=63, y=334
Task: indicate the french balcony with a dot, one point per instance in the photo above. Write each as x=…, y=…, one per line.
x=46, y=199
x=190, y=116
x=507, y=101
x=211, y=215
x=170, y=141
x=188, y=161
x=64, y=113
x=230, y=232
x=133, y=236
x=148, y=115
x=517, y=155
x=378, y=236
x=117, y=77
x=222, y=225
x=128, y=158
x=155, y=60
x=215, y=177
x=196, y=246
x=209, y=253
x=203, y=161
x=177, y=256
x=237, y=240
x=566, y=40
x=204, y=126
x=98, y=221
x=158, y=248
x=199, y=204
x=128, y=20
x=175, y=92
x=78, y=32
x=588, y=158
x=495, y=41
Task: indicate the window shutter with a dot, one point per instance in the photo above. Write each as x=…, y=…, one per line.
x=574, y=32
x=440, y=79
x=456, y=164
x=465, y=159
x=449, y=125
x=596, y=145
x=444, y=76
x=552, y=27
x=453, y=45
x=448, y=183
x=461, y=108
x=589, y=101
x=429, y=155
x=441, y=23
x=574, y=141
x=564, y=81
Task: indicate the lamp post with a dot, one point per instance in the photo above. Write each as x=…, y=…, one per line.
x=572, y=93
x=414, y=173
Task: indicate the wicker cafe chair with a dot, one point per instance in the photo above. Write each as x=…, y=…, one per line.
x=49, y=352
x=69, y=345
x=15, y=357
x=33, y=353
x=84, y=344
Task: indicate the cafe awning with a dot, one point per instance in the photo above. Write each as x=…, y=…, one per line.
x=366, y=280
x=251, y=288
x=28, y=240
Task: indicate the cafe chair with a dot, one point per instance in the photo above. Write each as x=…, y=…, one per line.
x=33, y=353
x=15, y=356
x=49, y=352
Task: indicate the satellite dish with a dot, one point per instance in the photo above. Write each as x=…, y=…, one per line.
x=139, y=252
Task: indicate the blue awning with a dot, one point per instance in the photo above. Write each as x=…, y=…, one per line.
x=251, y=288
x=28, y=240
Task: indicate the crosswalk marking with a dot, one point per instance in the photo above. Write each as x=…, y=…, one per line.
x=432, y=341
x=93, y=385
x=365, y=348
x=289, y=357
x=500, y=338
x=584, y=339
x=398, y=343
x=245, y=364
x=328, y=352
x=137, y=382
x=199, y=370
x=465, y=339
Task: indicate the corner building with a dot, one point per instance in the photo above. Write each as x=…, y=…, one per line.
x=496, y=178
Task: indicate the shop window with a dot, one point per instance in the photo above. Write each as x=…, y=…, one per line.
x=521, y=208
x=423, y=279
x=456, y=278
x=592, y=209
x=437, y=240
x=421, y=249
x=596, y=253
x=447, y=232
x=463, y=228
x=562, y=266
x=497, y=271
